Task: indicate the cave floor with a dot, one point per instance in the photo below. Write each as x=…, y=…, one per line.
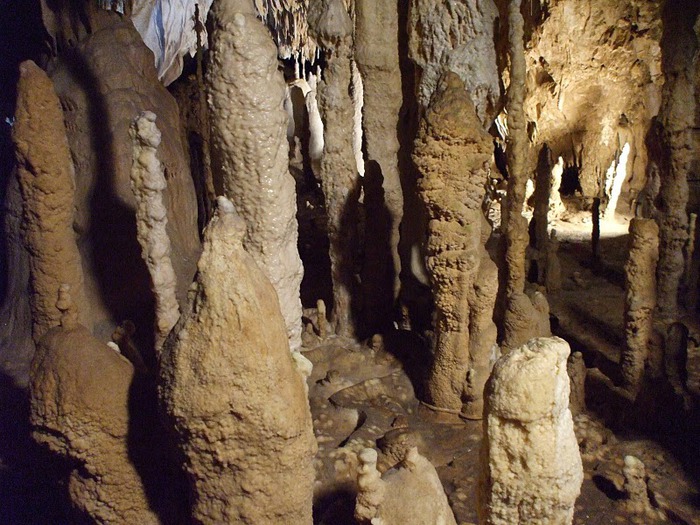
x=360, y=393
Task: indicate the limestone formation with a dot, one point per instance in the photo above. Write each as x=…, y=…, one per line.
x=377, y=56
x=576, y=368
x=556, y=206
x=231, y=389
x=552, y=267
x=679, y=48
x=103, y=84
x=636, y=490
x=47, y=185
x=249, y=147
x=410, y=494
x=518, y=315
x=458, y=36
x=80, y=391
x=148, y=183
x=640, y=299
x=452, y=151
x=338, y=168
x=531, y=470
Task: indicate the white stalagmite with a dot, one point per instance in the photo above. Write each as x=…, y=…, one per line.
x=249, y=126
x=620, y=173
x=148, y=184
x=556, y=206
x=531, y=471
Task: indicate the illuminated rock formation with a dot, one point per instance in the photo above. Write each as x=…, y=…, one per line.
x=531, y=469
x=47, y=185
x=452, y=154
x=148, y=183
x=246, y=96
x=80, y=391
x=230, y=387
x=640, y=299
x=410, y=494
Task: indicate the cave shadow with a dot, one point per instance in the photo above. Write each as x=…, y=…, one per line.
x=413, y=352
x=335, y=506
x=32, y=490
x=114, y=257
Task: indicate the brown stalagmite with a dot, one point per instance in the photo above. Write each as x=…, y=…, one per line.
x=47, y=184
x=677, y=115
x=338, y=169
x=519, y=312
x=640, y=299
x=377, y=56
x=249, y=125
x=233, y=392
x=452, y=154
x=80, y=391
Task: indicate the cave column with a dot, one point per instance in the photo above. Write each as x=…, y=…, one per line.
x=338, y=167
x=377, y=56
x=249, y=126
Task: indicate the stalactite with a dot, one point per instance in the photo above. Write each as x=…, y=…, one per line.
x=249, y=125
x=47, y=184
x=148, y=184
x=377, y=55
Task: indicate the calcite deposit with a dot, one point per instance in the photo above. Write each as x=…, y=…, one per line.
x=640, y=299
x=531, y=470
x=80, y=391
x=250, y=149
x=409, y=494
x=452, y=151
x=233, y=393
x=47, y=185
x=148, y=183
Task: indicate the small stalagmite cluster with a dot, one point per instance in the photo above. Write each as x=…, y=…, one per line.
x=354, y=261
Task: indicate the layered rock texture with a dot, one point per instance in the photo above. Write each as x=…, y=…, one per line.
x=231, y=389
x=249, y=147
x=409, y=494
x=453, y=153
x=531, y=469
x=640, y=299
x=47, y=185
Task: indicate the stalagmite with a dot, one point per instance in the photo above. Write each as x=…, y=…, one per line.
x=636, y=490
x=338, y=167
x=452, y=154
x=230, y=387
x=576, y=368
x=148, y=184
x=531, y=470
x=618, y=178
x=249, y=146
x=519, y=312
x=80, y=391
x=410, y=494
x=556, y=206
x=679, y=48
x=640, y=299
x=377, y=56
x=47, y=185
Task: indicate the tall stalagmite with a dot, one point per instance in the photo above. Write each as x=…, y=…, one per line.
x=453, y=154
x=519, y=312
x=339, y=176
x=640, y=299
x=531, y=469
x=679, y=47
x=377, y=56
x=232, y=390
x=249, y=146
x=47, y=184
x=148, y=184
